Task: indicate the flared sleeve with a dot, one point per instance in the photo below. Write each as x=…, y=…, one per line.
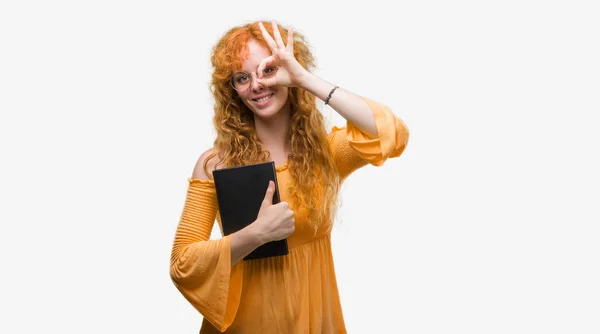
x=201, y=268
x=353, y=148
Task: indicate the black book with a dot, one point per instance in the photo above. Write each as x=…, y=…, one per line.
x=240, y=192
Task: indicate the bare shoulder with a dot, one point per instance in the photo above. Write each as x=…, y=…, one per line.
x=199, y=172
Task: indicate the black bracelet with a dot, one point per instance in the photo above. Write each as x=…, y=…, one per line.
x=329, y=97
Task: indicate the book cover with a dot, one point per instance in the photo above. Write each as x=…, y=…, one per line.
x=240, y=192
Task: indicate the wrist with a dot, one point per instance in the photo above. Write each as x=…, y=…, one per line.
x=305, y=80
x=254, y=234
x=316, y=86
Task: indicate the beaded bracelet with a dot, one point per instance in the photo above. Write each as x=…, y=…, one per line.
x=329, y=97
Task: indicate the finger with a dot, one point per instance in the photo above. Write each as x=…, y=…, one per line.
x=269, y=194
x=267, y=82
x=270, y=42
x=290, y=41
x=263, y=64
x=277, y=35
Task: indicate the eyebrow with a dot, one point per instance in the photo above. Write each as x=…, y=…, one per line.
x=243, y=71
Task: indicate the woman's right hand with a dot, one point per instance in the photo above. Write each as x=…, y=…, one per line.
x=274, y=221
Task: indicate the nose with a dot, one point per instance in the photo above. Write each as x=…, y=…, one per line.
x=254, y=84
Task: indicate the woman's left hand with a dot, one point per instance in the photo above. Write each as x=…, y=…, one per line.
x=289, y=71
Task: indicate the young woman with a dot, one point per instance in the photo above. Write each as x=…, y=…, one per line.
x=265, y=110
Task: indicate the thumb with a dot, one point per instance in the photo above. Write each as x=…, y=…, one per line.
x=269, y=195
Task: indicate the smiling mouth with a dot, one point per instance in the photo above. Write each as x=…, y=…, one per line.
x=263, y=99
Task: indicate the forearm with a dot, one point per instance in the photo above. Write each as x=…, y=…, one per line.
x=243, y=242
x=350, y=106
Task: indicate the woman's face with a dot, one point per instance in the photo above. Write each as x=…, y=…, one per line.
x=264, y=102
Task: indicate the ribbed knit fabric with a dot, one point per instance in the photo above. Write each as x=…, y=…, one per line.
x=296, y=293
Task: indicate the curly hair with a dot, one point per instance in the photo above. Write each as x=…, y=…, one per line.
x=315, y=180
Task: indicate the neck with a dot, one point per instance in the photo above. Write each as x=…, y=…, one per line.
x=273, y=132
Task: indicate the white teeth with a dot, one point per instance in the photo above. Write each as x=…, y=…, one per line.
x=264, y=98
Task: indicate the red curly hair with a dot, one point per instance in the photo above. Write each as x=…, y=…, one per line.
x=315, y=180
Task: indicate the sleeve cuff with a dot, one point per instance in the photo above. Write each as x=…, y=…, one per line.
x=392, y=136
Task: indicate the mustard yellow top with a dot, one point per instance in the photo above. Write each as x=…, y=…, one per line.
x=296, y=293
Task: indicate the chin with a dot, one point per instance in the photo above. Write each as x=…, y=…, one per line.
x=266, y=113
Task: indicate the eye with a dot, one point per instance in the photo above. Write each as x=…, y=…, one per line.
x=241, y=78
x=269, y=70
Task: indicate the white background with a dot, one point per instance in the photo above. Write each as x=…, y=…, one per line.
x=488, y=223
